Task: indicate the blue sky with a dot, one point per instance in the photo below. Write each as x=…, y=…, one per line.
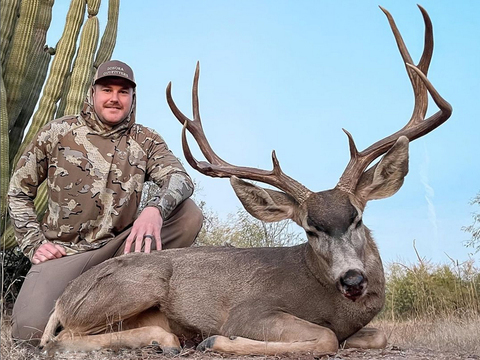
x=288, y=75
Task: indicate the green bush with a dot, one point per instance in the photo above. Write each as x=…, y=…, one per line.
x=427, y=290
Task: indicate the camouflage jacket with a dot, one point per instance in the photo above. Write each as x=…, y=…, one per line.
x=95, y=175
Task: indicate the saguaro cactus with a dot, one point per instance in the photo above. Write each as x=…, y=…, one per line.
x=26, y=69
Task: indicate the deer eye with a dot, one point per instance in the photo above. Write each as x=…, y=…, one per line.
x=311, y=233
x=359, y=223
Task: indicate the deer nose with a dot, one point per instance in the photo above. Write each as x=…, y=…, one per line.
x=353, y=284
x=352, y=278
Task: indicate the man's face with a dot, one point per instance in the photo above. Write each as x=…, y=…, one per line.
x=112, y=100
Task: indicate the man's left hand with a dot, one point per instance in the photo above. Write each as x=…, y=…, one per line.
x=146, y=228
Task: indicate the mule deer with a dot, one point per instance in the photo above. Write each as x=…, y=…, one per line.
x=308, y=297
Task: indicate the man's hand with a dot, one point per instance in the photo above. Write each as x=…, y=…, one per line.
x=48, y=251
x=146, y=228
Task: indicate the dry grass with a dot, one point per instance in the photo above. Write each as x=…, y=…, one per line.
x=428, y=291
x=422, y=339
x=443, y=335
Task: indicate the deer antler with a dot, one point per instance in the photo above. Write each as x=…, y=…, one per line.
x=216, y=166
x=417, y=126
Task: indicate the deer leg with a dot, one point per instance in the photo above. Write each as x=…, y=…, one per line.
x=150, y=317
x=283, y=333
x=367, y=338
x=133, y=338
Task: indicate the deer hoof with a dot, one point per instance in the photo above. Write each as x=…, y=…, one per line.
x=52, y=348
x=207, y=344
x=170, y=351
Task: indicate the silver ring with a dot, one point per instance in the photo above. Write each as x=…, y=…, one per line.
x=149, y=236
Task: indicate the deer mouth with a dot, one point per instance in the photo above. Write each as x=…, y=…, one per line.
x=352, y=284
x=353, y=293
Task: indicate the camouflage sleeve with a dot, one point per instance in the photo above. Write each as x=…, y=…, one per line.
x=167, y=172
x=31, y=170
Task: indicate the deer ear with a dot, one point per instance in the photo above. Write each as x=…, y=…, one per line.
x=385, y=178
x=264, y=204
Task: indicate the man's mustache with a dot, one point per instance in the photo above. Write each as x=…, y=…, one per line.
x=113, y=105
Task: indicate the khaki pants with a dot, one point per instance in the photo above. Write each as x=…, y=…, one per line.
x=46, y=281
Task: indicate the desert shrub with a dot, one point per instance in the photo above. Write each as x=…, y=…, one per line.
x=474, y=228
x=428, y=290
x=13, y=270
x=243, y=230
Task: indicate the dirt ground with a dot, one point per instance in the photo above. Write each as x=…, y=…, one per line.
x=390, y=353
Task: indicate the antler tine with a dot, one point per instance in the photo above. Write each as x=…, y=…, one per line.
x=217, y=167
x=186, y=149
x=417, y=126
x=420, y=92
x=194, y=126
x=195, y=104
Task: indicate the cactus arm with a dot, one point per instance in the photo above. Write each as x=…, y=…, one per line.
x=4, y=169
x=63, y=98
x=22, y=74
x=63, y=102
x=79, y=80
x=75, y=104
x=107, y=44
x=60, y=66
x=36, y=57
x=16, y=133
x=8, y=20
x=17, y=62
x=92, y=7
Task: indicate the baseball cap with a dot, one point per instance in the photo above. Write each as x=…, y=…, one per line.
x=115, y=68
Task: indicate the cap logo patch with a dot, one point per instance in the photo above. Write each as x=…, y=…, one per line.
x=115, y=71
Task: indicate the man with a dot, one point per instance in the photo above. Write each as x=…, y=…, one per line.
x=95, y=165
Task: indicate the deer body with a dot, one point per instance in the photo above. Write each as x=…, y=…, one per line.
x=268, y=301
x=226, y=305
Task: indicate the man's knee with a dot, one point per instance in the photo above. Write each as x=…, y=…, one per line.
x=192, y=221
x=181, y=229
x=28, y=328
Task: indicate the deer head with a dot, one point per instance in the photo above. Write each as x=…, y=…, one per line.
x=332, y=219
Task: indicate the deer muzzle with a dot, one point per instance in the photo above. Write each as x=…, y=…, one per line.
x=352, y=284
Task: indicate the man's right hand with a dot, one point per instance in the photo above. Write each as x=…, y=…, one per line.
x=48, y=251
